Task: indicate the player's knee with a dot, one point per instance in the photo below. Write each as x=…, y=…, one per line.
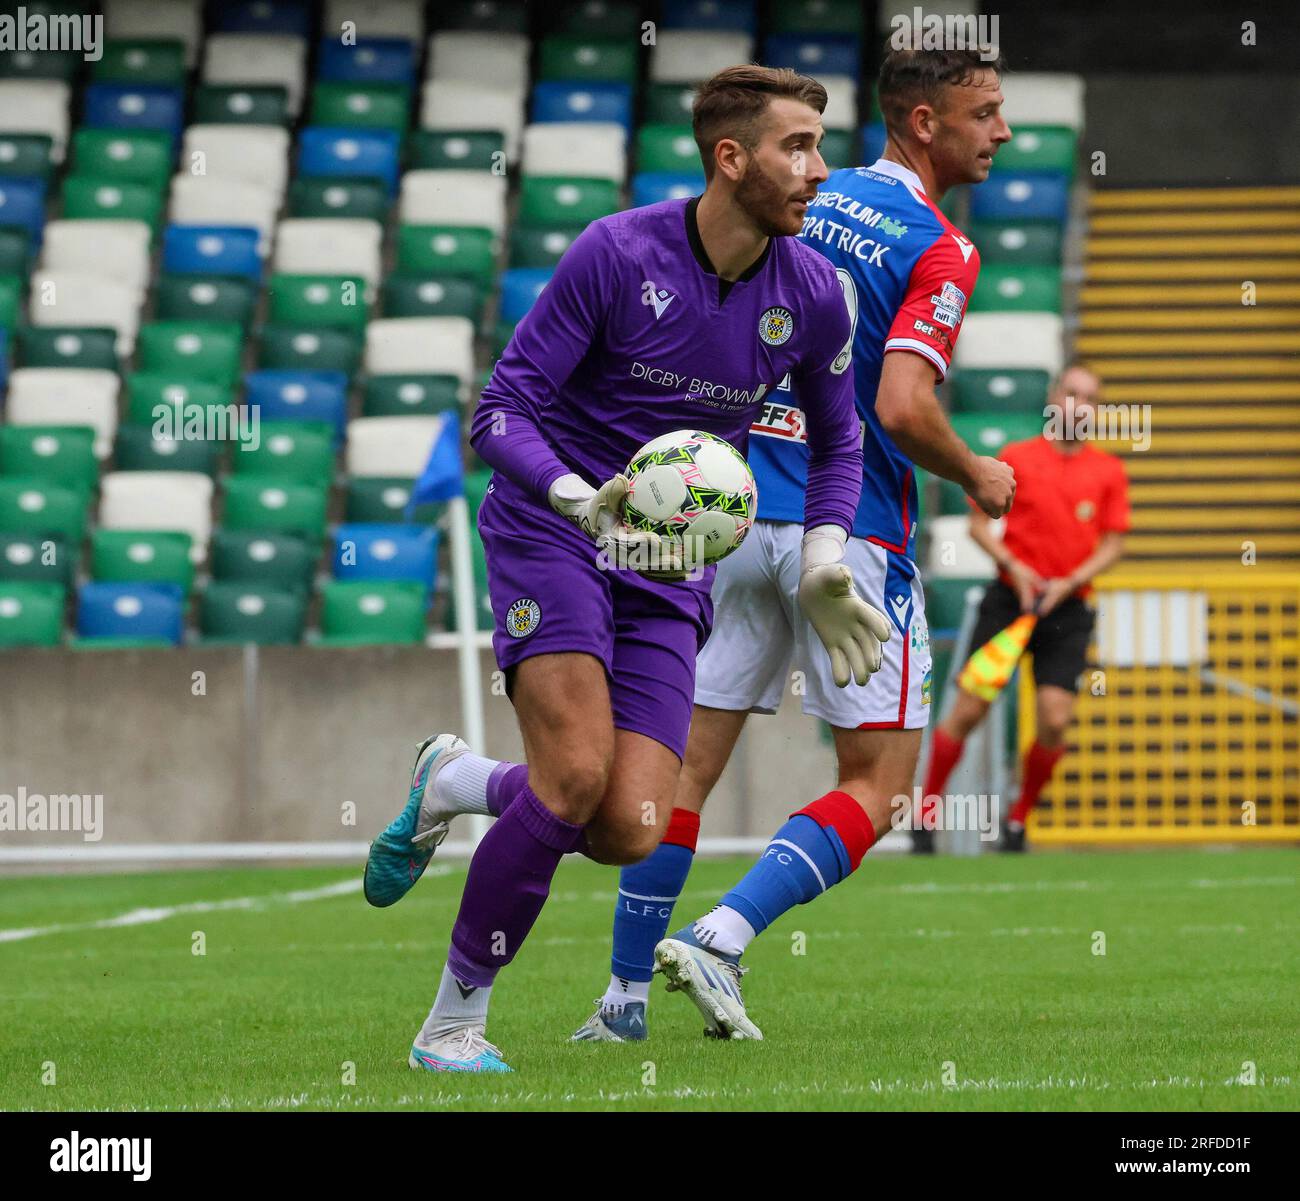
x=577, y=788
x=621, y=845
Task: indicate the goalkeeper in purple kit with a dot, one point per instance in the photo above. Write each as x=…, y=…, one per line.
x=679, y=315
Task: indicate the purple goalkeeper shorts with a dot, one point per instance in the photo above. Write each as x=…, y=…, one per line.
x=549, y=597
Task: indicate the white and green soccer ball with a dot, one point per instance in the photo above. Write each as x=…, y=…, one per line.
x=694, y=489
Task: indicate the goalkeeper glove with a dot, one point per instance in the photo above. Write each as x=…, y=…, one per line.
x=850, y=629
x=598, y=513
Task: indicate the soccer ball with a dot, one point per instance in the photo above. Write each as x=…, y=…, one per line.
x=694, y=489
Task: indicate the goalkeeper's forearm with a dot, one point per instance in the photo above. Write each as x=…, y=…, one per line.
x=505, y=435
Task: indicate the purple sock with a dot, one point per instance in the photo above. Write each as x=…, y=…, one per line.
x=505, y=783
x=509, y=879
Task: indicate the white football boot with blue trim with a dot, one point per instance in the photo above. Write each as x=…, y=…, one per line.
x=606, y=1026
x=711, y=980
x=463, y=1050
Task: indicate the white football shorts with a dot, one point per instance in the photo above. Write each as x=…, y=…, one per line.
x=762, y=644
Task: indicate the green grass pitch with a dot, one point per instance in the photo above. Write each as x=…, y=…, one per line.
x=922, y=984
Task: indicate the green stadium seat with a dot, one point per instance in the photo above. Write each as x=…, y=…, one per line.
x=1017, y=288
x=360, y=613
x=31, y=613
x=47, y=64
x=146, y=392
x=413, y=296
x=582, y=58
x=839, y=149
x=241, y=104
x=669, y=103
x=119, y=644
x=141, y=62
x=554, y=201
x=240, y=611
x=207, y=350
x=206, y=298
x=132, y=556
x=336, y=196
x=254, y=502
x=67, y=346
x=945, y=600
x=540, y=247
x=361, y=106
x=466, y=253
x=1039, y=148
x=137, y=449
x=31, y=505
x=61, y=454
x=141, y=156
x=11, y=301
x=1017, y=242
x=26, y=557
x=301, y=451
x=297, y=349
x=91, y=198
x=988, y=433
x=817, y=17
x=377, y=500
x=989, y=390
x=604, y=18
x=313, y=301
x=455, y=149
x=15, y=250
x=25, y=155
x=409, y=395
x=495, y=16
x=667, y=148
x=281, y=561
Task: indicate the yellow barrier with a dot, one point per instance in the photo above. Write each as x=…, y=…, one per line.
x=1188, y=722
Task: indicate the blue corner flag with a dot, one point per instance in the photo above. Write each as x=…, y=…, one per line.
x=444, y=475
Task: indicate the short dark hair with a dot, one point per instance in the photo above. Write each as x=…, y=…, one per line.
x=911, y=77
x=731, y=103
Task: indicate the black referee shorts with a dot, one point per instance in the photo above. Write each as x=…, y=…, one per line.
x=1059, y=643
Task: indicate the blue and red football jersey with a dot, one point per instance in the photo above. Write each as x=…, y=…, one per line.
x=907, y=273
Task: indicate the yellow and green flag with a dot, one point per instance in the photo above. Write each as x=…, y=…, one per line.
x=989, y=668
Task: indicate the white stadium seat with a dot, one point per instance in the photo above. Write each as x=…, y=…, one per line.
x=376, y=19
x=159, y=500
x=66, y=396
x=688, y=56
x=36, y=106
x=841, y=102
x=452, y=104
x=593, y=150
x=173, y=21
x=205, y=200
x=258, y=58
x=396, y=447
x=256, y=154
x=421, y=346
x=1043, y=98
x=472, y=198
x=1011, y=340
x=118, y=250
x=953, y=553
x=463, y=56
x=81, y=298
x=329, y=246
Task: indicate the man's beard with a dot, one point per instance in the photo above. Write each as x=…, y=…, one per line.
x=766, y=204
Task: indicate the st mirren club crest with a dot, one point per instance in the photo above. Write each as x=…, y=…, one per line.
x=775, y=326
x=523, y=617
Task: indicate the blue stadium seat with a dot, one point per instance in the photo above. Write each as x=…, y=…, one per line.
x=211, y=250
x=387, y=552
x=873, y=142
x=829, y=55
x=125, y=106
x=371, y=60
x=22, y=203
x=719, y=15
x=1028, y=196
x=650, y=187
x=372, y=153
x=557, y=100
x=136, y=610
x=262, y=16
x=283, y=395
x=520, y=288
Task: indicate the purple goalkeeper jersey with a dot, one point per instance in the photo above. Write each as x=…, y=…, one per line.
x=635, y=335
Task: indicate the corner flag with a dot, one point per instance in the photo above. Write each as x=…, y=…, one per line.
x=989, y=669
x=444, y=475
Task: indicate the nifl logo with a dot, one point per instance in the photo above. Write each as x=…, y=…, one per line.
x=775, y=326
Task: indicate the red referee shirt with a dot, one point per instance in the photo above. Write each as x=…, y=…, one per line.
x=1064, y=504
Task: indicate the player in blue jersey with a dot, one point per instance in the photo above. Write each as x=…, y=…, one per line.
x=677, y=315
x=907, y=273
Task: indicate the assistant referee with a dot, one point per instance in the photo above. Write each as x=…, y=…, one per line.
x=1067, y=524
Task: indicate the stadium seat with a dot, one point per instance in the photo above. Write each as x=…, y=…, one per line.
x=159, y=500
x=136, y=556
x=317, y=300
x=339, y=197
x=131, y=610
x=258, y=58
x=601, y=103
x=81, y=299
x=653, y=187
x=207, y=350
x=358, y=613
x=813, y=54
x=262, y=16
x=243, y=611
x=15, y=250
x=456, y=150
x=386, y=552
x=390, y=446
x=667, y=148
x=953, y=553
x=288, y=450
x=241, y=104
x=687, y=56
x=26, y=155
x=31, y=613
x=988, y=433
x=838, y=149
x=256, y=154
x=87, y=199
x=409, y=395
x=139, y=448
x=561, y=148
x=946, y=598
x=350, y=153
x=420, y=346
x=26, y=558
x=141, y=156
x=205, y=298
x=520, y=288
x=542, y=247
x=343, y=246
x=276, y=560
x=206, y=200
x=1040, y=98
x=211, y=250
x=454, y=198
x=466, y=56
x=410, y=296
x=991, y=390
x=451, y=105
x=179, y=20
x=44, y=396
x=368, y=60
x=1025, y=196
x=444, y=250
x=292, y=348
x=716, y=15
x=36, y=506
x=23, y=203
x=1019, y=242
x=597, y=18
x=151, y=395
x=60, y=65
x=118, y=250
x=1017, y=288
x=314, y=396
x=72, y=347
x=1011, y=340
x=580, y=57
x=11, y=302
x=62, y=454
x=255, y=503
x=377, y=500
x=37, y=106
x=141, y=61
x=669, y=103
x=548, y=202
x=126, y=106
x=402, y=19
x=841, y=111
x=361, y=106
x=1039, y=148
